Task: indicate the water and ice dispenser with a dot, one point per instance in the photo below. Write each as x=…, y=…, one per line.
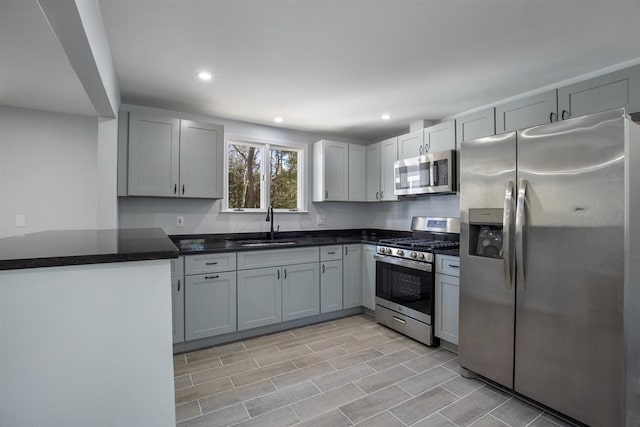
x=485, y=232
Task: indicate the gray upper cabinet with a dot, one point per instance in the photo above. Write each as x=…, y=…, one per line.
x=440, y=137
x=475, y=125
x=614, y=90
x=169, y=157
x=352, y=276
x=300, y=291
x=154, y=155
x=201, y=152
x=357, y=168
x=410, y=145
x=330, y=171
x=330, y=286
x=373, y=181
x=259, y=297
x=388, y=156
x=210, y=305
x=526, y=112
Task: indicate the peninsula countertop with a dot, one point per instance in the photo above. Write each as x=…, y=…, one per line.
x=77, y=247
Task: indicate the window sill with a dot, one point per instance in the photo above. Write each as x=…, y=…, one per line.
x=263, y=211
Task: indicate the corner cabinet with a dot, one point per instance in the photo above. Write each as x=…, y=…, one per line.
x=169, y=157
x=447, y=287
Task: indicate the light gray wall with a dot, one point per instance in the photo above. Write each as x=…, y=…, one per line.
x=47, y=170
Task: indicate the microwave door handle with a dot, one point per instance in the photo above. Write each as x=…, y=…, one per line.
x=520, y=224
x=506, y=234
x=432, y=166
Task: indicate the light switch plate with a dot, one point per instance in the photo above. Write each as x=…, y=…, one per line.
x=320, y=219
x=179, y=221
x=21, y=221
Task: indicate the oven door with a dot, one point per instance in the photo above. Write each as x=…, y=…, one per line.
x=406, y=287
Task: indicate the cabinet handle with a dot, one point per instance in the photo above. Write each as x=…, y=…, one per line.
x=454, y=266
x=322, y=268
x=397, y=319
x=175, y=188
x=551, y=117
x=565, y=114
x=278, y=274
x=183, y=189
x=211, y=263
x=178, y=285
x=285, y=273
x=377, y=198
x=211, y=277
x=326, y=194
x=331, y=252
x=427, y=147
x=346, y=250
x=420, y=150
x=381, y=195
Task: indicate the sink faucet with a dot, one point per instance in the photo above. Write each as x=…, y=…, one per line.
x=270, y=218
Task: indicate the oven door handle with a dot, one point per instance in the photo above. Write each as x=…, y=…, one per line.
x=424, y=266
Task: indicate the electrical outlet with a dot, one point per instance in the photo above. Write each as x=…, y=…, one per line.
x=320, y=219
x=179, y=221
x=21, y=221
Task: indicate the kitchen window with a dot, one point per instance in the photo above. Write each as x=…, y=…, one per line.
x=259, y=175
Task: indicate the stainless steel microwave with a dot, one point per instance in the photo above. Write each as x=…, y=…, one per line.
x=429, y=174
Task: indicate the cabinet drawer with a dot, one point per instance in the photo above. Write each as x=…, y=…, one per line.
x=210, y=263
x=177, y=267
x=277, y=257
x=448, y=265
x=330, y=253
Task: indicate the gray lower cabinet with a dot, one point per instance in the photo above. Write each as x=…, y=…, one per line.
x=614, y=90
x=300, y=291
x=177, y=308
x=447, y=298
x=330, y=286
x=526, y=112
x=210, y=305
x=259, y=297
x=352, y=276
x=369, y=277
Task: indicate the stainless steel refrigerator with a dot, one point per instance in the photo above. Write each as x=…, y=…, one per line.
x=549, y=276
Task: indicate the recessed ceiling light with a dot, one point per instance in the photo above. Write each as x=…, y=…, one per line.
x=386, y=116
x=203, y=75
x=278, y=119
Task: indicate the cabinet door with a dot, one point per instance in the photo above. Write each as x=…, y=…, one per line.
x=352, y=276
x=369, y=277
x=201, y=159
x=476, y=125
x=411, y=145
x=336, y=171
x=177, y=267
x=153, y=155
x=330, y=286
x=388, y=155
x=447, y=307
x=440, y=137
x=614, y=90
x=373, y=173
x=177, y=308
x=259, y=297
x=356, y=168
x=531, y=111
x=210, y=305
x=300, y=291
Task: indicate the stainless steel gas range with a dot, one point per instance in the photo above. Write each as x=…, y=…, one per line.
x=405, y=276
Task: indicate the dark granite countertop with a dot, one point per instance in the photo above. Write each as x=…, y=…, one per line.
x=193, y=244
x=75, y=247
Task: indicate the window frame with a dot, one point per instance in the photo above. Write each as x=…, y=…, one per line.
x=265, y=174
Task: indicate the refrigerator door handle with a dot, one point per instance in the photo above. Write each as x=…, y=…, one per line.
x=520, y=223
x=506, y=231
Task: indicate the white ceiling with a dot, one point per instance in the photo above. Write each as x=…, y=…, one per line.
x=34, y=70
x=330, y=66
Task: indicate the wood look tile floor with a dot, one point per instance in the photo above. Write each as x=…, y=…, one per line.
x=345, y=372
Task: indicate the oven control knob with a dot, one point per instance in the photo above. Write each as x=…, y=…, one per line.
x=400, y=252
x=414, y=255
x=388, y=251
x=381, y=250
x=421, y=256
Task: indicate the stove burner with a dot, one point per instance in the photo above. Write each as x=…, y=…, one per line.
x=424, y=244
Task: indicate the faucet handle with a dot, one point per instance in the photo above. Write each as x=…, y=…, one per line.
x=278, y=229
